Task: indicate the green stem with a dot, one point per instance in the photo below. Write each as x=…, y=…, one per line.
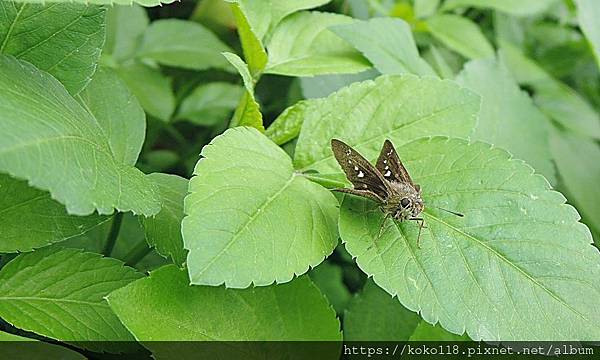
x=137, y=253
x=111, y=240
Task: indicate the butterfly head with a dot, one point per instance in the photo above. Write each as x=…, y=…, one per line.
x=409, y=205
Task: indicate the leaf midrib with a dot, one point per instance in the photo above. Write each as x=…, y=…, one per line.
x=238, y=233
x=177, y=48
x=23, y=203
x=12, y=27
x=54, y=300
x=301, y=59
x=40, y=141
x=60, y=30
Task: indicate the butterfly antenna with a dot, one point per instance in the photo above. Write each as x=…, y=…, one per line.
x=448, y=211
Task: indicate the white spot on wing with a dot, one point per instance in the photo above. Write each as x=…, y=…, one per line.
x=387, y=173
x=355, y=168
x=385, y=161
x=361, y=174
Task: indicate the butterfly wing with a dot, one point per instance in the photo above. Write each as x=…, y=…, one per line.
x=390, y=166
x=360, y=172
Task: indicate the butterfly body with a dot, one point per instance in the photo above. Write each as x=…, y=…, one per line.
x=387, y=183
x=404, y=203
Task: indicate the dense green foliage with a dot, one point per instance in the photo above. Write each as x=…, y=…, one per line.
x=166, y=172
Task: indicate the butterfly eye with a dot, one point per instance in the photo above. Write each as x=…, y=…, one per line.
x=404, y=202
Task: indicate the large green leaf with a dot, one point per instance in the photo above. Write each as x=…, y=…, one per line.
x=513, y=7
x=509, y=29
x=461, y=35
x=45, y=220
x=119, y=114
x=506, y=110
x=565, y=105
x=250, y=218
x=388, y=43
x=329, y=278
x=399, y=108
x=588, y=13
x=150, y=87
x=324, y=85
x=62, y=39
x=302, y=45
x=175, y=311
x=183, y=44
x=49, y=139
x=60, y=294
x=148, y=3
x=17, y=347
x=211, y=103
x=125, y=26
x=557, y=100
x=442, y=61
x=163, y=231
x=374, y=315
x=525, y=70
x=517, y=266
x=577, y=160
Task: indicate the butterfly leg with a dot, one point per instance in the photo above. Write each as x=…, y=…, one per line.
x=381, y=228
x=421, y=226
